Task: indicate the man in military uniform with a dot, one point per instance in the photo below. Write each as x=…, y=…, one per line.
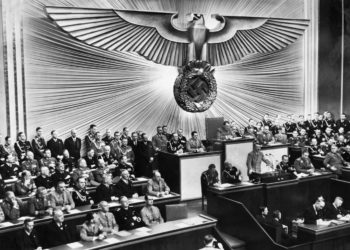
x=10, y=169
x=225, y=132
x=109, y=158
x=319, y=137
x=329, y=121
x=124, y=165
x=127, y=217
x=194, y=145
x=266, y=121
x=343, y=122
x=40, y=205
x=159, y=140
x=55, y=145
x=165, y=132
x=125, y=134
x=250, y=127
x=230, y=174
x=334, y=161
x=115, y=143
x=157, y=186
x=96, y=176
x=314, y=148
x=126, y=150
x=38, y=144
x=69, y=162
x=328, y=134
x=60, y=175
x=182, y=138
x=265, y=136
x=48, y=161
x=44, y=179
x=281, y=135
x=81, y=171
x=80, y=196
x=31, y=164
x=254, y=160
x=303, y=138
x=108, y=137
x=285, y=166
x=290, y=125
x=308, y=125
x=22, y=146
x=90, y=137
x=150, y=214
x=106, y=219
x=303, y=164
x=174, y=145
x=73, y=145
x=301, y=123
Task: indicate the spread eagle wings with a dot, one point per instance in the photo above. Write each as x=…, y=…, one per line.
x=154, y=35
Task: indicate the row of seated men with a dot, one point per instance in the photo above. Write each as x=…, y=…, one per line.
x=97, y=225
x=43, y=200
x=320, y=212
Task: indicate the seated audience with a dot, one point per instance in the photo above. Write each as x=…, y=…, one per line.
x=194, y=145
x=230, y=174
x=55, y=145
x=40, y=205
x=60, y=175
x=81, y=171
x=44, y=179
x=124, y=186
x=22, y=146
x=69, y=162
x=27, y=238
x=96, y=176
x=211, y=243
x=157, y=186
x=334, y=161
x=61, y=198
x=303, y=164
x=9, y=169
x=48, y=161
x=127, y=217
x=31, y=164
x=73, y=145
x=174, y=145
x=105, y=192
x=91, y=230
x=11, y=206
x=26, y=185
x=335, y=210
x=91, y=159
x=106, y=219
x=263, y=216
x=313, y=214
x=150, y=214
x=58, y=232
x=80, y=196
x=38, y=144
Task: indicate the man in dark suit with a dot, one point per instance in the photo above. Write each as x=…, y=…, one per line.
x=144, y=157
x=26, y=238
x=335, y=210
x=73, y=145
x=124, y=186
x=313, y=213
x=55, y=145
x=134, y=141
x=104, y=192
x=58, y=231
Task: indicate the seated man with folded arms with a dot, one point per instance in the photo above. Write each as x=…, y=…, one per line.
x=61, y=198
x=27, y=238
x=105, y=191
x=106, y=219
x=96, y=176
x=157, y=186
x=313, y=214
x=194, y=145
x=58, y=232
x=334, y=161
x=31, y=164
x=11, y=206
x=127, y=217
x=60, y=174
x=335, y=210
x=44, y=179
x=124, y=186
x=91, y=230
x=303, y=164
x=80, y=196
x=230, y=174
x=150, y=214
x=81, y=171
x=39, y=205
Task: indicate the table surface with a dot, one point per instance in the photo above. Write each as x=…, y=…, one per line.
x=143, y=234
x=82, y=210
x=322, y=229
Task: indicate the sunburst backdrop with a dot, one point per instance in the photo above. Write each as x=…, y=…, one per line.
x=71, y=85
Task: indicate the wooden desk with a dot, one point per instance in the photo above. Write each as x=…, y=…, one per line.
x=251, y=195
x=325, y=237
x=180, y=234
x=182, y=172
x=80, y=212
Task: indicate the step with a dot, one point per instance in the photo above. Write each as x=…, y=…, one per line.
x=233, y=242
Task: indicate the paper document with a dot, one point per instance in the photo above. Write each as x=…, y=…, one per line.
x=111, y=240
x=181, y=225
x=74, y=211
x=24, y=217
x=143, y=229
x=123, y=233
x=141, y=233
x=6, y=224
x=75, y=245
x=141, y=179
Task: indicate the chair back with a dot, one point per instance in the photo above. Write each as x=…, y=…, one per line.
x=176, y=211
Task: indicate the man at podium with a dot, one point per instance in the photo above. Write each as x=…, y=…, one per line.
x=254, y=162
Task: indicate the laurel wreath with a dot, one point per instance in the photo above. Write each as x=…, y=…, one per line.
x=195, y=69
